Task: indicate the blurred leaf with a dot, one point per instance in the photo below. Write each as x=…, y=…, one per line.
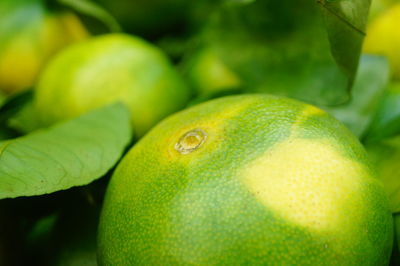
x=41, y=229
x=346, y=21
x=66, y=236
x=91, y=9
x=25, y=120
x=214, y=95
x=69, y=154
x=75, y=237
x=6, y=133
x=242, y=2
x=368, y=91
x=10, y=236
x=156, y=19
x=2, y=98
x=395, y=259
x=386, y=122
x=13, y=104
x=386, y=156
x=282, y=47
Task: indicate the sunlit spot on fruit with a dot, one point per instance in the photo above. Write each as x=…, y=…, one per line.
x=191, y=141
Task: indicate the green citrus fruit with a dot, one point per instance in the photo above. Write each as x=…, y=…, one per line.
x=383, y=38
x=385, y=154
x=208, y=75
x=243, y=180
x=105, y=69
x=29, y=36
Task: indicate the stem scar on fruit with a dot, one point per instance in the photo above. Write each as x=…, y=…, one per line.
x=191, y=141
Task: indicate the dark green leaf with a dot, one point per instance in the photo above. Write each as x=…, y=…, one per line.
x=13, y=104
x=78, y=237
x=2, y=98
x=368, y=91
x=89, y=8
x=241, y=2
x=69, y=154
x=395, y=259
x=346, y=21
x=7, y=133
x=386, y=122
x=25, y=120
x=290, y=48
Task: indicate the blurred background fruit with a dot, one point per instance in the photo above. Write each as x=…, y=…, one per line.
x=105, y=69
x=383, y=37
x=379, y=6
x=208, y=75
x=29, y=35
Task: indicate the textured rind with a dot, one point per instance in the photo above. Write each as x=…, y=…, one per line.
x=105, y=69
x=167, y=208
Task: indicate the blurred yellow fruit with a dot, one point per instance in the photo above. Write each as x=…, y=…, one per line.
x=383, y=38
x=209, y=75
x=29, y=36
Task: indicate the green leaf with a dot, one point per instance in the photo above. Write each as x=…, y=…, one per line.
x=69, y=154
x=92, y=9
x=386, y=122
x=368, y=91
x=386, y=156
x=275, y=48
x=346, y=21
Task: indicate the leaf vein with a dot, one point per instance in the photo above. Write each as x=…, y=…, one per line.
x=344, y=20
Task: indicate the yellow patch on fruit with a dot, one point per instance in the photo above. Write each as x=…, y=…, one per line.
x=309, y=189
x=311, y=110
x=306, y=113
